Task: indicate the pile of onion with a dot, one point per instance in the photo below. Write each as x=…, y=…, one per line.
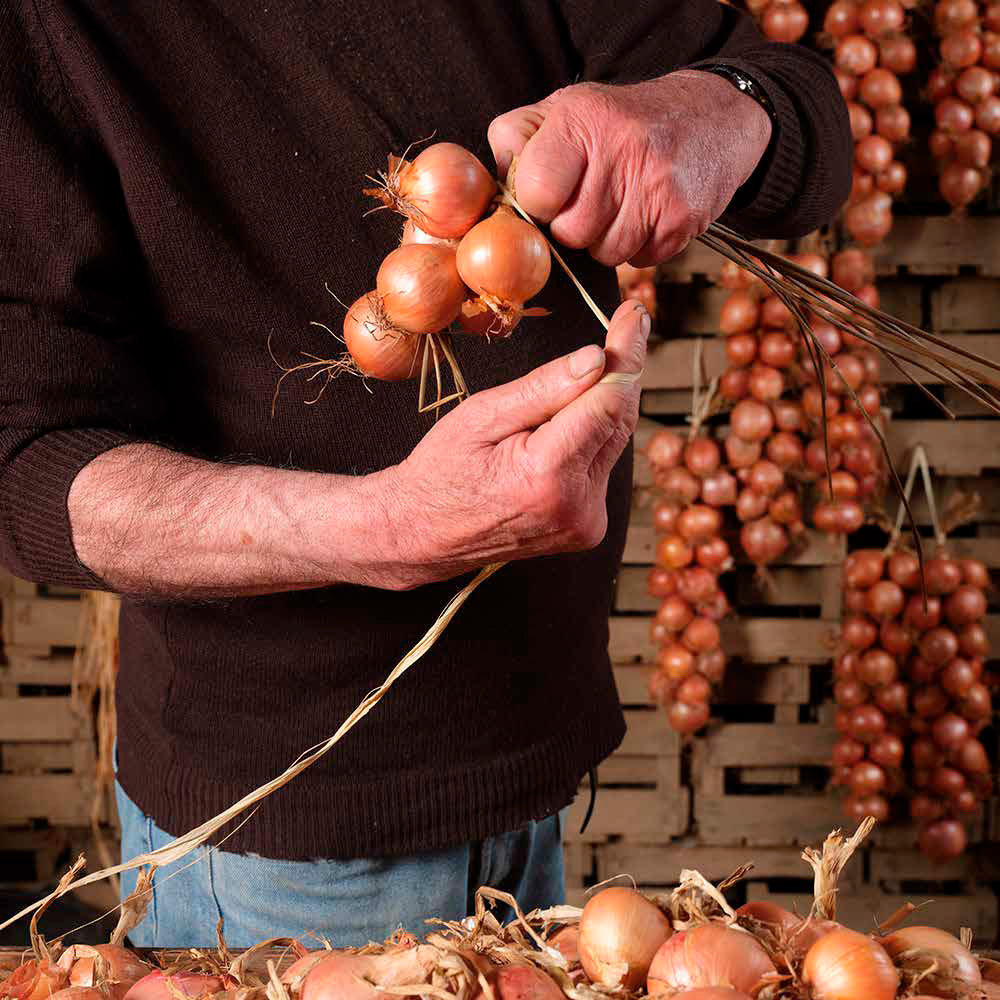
x=638, y=283
x=871, y=50
x=964, y=91
x=461, y=261
x=694, y=489
x=910, y=692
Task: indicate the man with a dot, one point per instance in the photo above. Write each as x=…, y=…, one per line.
x=178, y=182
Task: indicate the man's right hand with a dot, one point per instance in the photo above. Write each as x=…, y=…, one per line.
x=516, y=471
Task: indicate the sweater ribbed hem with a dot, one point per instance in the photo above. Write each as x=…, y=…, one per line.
x=35, y=490
x=769, y=193
x=413, y=811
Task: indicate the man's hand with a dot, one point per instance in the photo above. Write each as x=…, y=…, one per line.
x=520, y=470
x=633, y=173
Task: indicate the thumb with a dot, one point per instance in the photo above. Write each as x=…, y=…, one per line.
x=528, y=402
x=509, y=132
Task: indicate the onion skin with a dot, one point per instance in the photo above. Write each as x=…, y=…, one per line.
x=709, y=955
x=445, y=189
x=845, y=965
x=956, y=961
x=345, y=976
x=118, y=970
x=770, y=913
x=620, y=933
x=192, y=984
x=34, y=980
x=420, y=287
x=379, y=352
x=504, y=258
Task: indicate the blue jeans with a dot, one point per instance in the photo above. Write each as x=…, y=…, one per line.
x=346, y=902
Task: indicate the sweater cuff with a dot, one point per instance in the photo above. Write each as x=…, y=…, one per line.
x=34, y=493
x=780, y=173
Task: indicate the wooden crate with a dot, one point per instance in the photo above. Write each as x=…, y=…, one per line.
x=40, y=624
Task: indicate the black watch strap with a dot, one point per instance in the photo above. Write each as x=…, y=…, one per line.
x=743, y=82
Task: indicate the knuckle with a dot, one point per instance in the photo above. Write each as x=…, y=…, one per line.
x=588, y=102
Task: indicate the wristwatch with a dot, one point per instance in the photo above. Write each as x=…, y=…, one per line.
x=745, y=83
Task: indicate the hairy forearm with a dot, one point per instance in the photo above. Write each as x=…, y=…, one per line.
x=149, y=521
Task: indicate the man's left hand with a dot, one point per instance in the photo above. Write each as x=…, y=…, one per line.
x=633, y=173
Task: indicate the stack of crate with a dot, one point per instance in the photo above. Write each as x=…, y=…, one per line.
x=47, y=746
x=753, y=786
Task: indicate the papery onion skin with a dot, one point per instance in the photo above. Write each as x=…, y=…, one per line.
x=846, y=965
x=445, y=189
x=34, y=980
x=620, y=933
x=955, y=960
x=378, y=350
x=347, y=976
x=420, y=289
x=709, y=955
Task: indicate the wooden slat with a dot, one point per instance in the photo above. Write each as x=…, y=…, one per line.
x=967, y=303
x=39, y=720
x=648, y=733
x=661, y=864
x=862, y=908
x=621, y=769
x=41, y=621
x=29, y=758
x=46, y=671
x=61, y=799
x=980, y=863
x=768, y=744
x=643, y=815
x=765, y=820
x=940, y=245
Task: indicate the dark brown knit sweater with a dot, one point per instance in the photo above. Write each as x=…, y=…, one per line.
x=177, y=182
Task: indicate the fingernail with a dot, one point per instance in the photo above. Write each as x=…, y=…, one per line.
x=585, y=360
x=644, y=322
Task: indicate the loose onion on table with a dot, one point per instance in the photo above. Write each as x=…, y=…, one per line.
x=709, y=955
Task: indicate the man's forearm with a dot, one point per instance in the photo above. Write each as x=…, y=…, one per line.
x=150, y=521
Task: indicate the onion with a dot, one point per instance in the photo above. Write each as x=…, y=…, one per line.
x=892, y=180
x=346, y=976
x=661, y=582
x=893, y=123
x=946, y=781
x=675, y=613
x=959, y=184
x=777, y=349
x=741, y=348
x=775, y=315
x=904, y=569
x=943, y=575
x=698, y=523
x=702, y=456
x=877, y=667
x=952, y=14
x=750, y=505
x=898, y=54
x=117, y=968
x=751, y=421
x=841, y=18
x=880, y=17
x=713, y=555
x=620, y=932
x=711, y=665
x=988, y=115
x=719, y=489
x=953, y=115
x=785, y=21
x=859, y=633
x=673, y=552
x=938, y=646
x=846, y=965
x=991, y=50
x=879, y=88
x=855, y=54
x=973, y=641
x=965, y=606
x=665, y=516
x=445, y=189
x=521, y=982
x=34, y=980
x=675, y=661
x=893, y=699
x=847, y=83
x=855, y=600
x=975, y=84
x=961, y=48
x=870, y=219
x=813, y=401
x=701, y=636
x=734, y=384
x=420, y=288
x=787, y=415
x=885, y=599
x=785, y=508
x=687, y=718
x=861, y=120
x=873, y=153
x=920, y=615
x=950, y=730
x=505, y=261
x=895, y=638
x=766, y=383
x=940, y=83
x=709, y=955
x=970, y=757
x=739, y=313
x=943, y=840
x=765, y=477
x=763, y=541
x=850, y=693
x=975, y=572
x=866, y=778
x=862, y=185
x=695, y=690
x=741, y=454
x=785, y=450
x=887, y=750
x=863, y=567
x=157, y=985
x=838, y=516
x=853, y=268
x=665, y=449
x=697, y=584
x=958, y=676
x=977, y=704
x=378, y=350
x=865, y=723
x=680, y=485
